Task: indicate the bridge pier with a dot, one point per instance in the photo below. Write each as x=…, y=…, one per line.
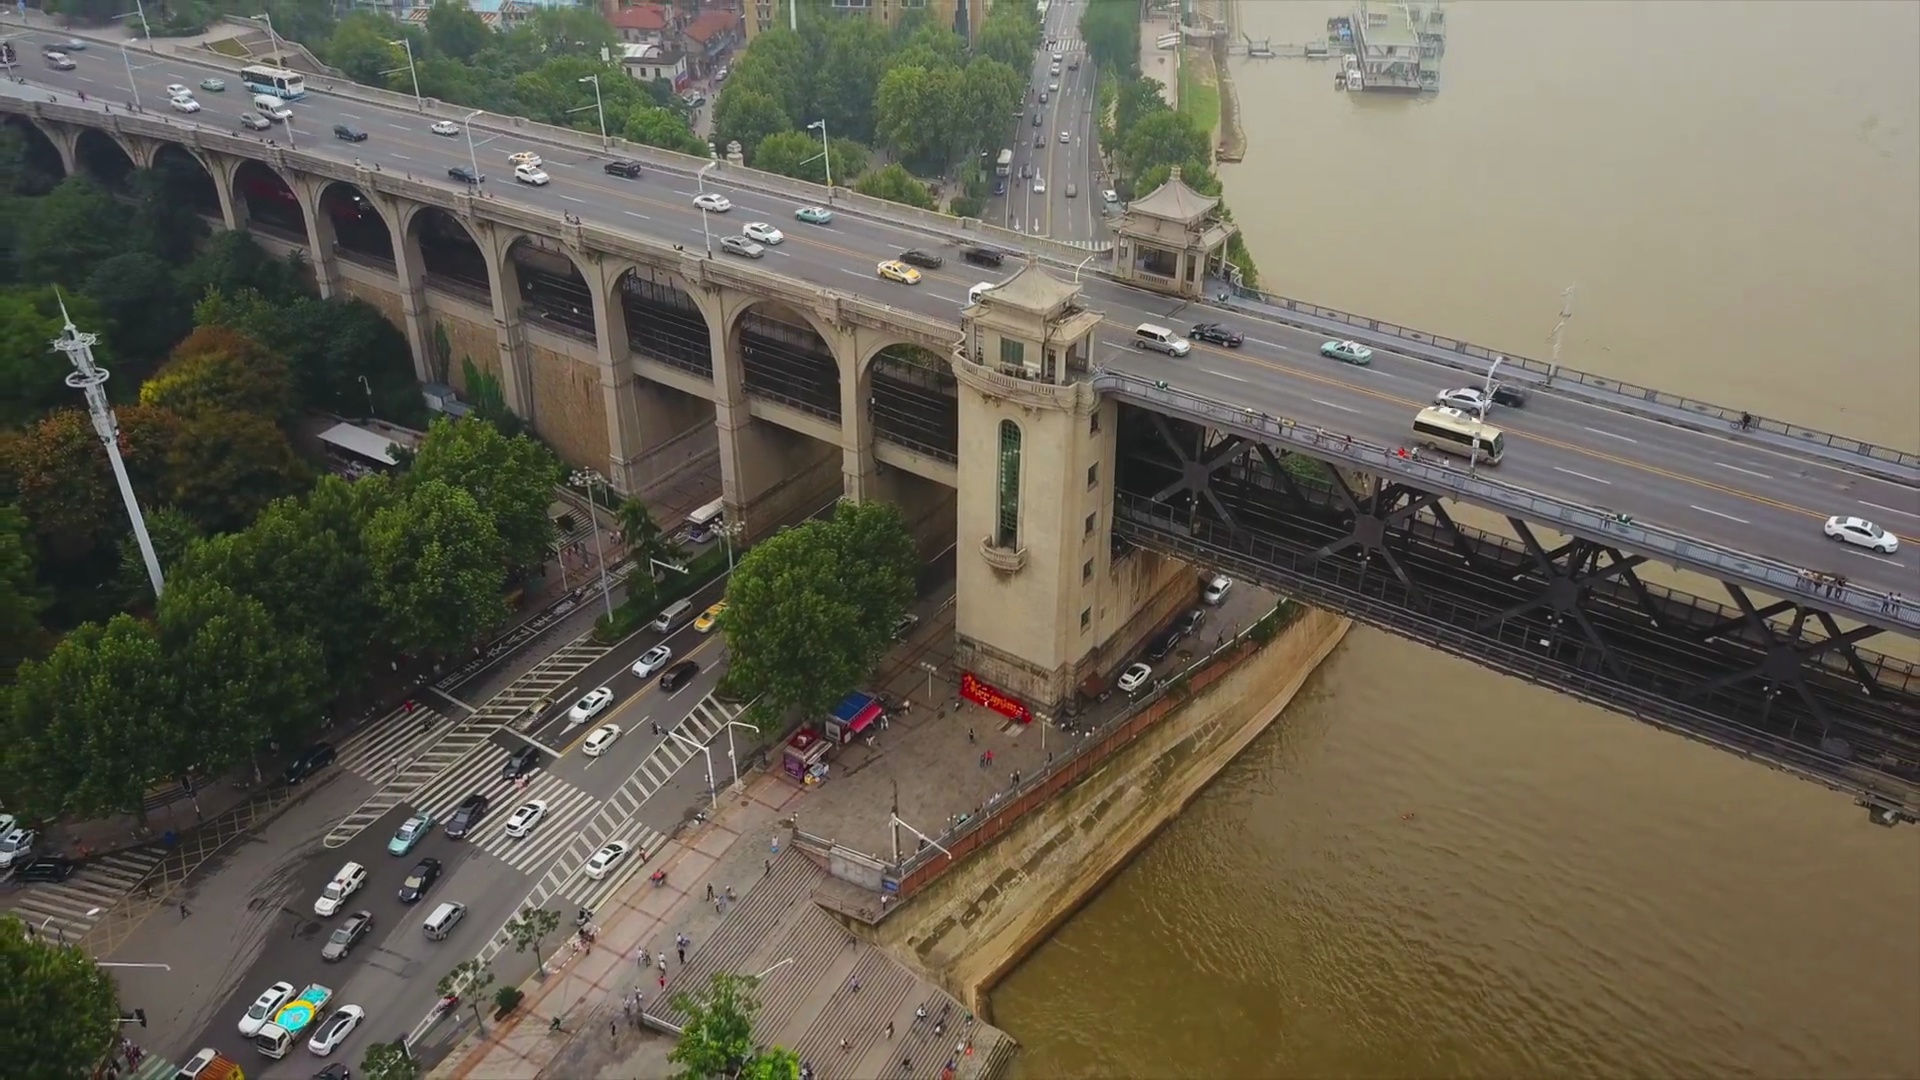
x=510, y=336
x=233, y=208
x=320, y=237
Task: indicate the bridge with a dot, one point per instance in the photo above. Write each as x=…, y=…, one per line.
x=594, y=302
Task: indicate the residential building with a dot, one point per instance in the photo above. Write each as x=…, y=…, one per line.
x=963, y=16
x=646, y=62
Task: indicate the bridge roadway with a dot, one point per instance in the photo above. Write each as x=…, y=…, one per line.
x=1725, y=489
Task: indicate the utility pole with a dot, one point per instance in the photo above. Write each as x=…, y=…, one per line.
x=91, y=380
x=1560, y=332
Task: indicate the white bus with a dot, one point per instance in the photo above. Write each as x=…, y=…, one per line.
x=279, y=82
x=1004, y=167
x=1452, y=431
x=701, y=522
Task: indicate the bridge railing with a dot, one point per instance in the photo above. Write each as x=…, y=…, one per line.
x=1547, y=372
x=1873, y=607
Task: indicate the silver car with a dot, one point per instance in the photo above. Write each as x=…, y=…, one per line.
x=740, y=245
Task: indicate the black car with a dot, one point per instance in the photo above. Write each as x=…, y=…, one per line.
x=335, y=1071
x=349, y=133
x=1513, y=397
x=418, y=882
x=523, y=761
x=676, y=676
x=466, y=175
x=1214, y=332
x=1163, y=642
x=347, y=936
x=467, y=816
x=628, y=169
x=1190, y=622
x=47, y=868
x=925, y=260
x=980, y=256
x=312, y=760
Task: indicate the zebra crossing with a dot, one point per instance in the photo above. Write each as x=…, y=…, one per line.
x=69, y=909
x=403, y=754
x=567, y=808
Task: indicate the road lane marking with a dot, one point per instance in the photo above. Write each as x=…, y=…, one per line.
x=571, y=198
x=399, y=127
x=1331, y=405
x=1613, y=435
x=400, y=157
x=1890, y=510
x=1222, y=375
x=1584, y=476
x=1718, y=514
x=642, y=217
x=1876, y=558
x=1738, y=469
x=352, y=116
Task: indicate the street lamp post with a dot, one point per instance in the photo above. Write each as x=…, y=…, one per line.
x=91, y=381
x=826, y=156
x=731, y=759
x=1486, y=400
x=598, y=105
x=368, y=387
x=272, y=38
x=728, y=532
x=712, y=793
x=407, y=44
x=131, y=85
x=473, y=159
x=145, y=30
x=593, y=482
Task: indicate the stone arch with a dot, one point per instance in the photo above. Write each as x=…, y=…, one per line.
x=663, y=320
x=102, y=157
x=44, y=166
x=913, y=399
x=272, y=205
x=451, y=256
x=184, y=176
x=551, y=285
x=360, y=229
x=786, y=355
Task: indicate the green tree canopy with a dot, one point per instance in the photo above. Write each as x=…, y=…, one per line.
x=218, y=368
x=811, y=610
x=717, y=1039
x=797, y=154
x=895, y=184
x=225, y=467
x=22, y=597
x=439, y=569
x=32, y=374
x=511, y=479
x=62, y=1010
x=74, y=229
x=139, y=294
x=1111, y=29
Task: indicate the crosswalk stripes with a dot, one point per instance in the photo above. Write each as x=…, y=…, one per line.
x=567, y=808
x=406, y=776
x=394, y=739
x=72, y=906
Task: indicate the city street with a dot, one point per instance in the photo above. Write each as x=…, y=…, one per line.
x=1070, y=208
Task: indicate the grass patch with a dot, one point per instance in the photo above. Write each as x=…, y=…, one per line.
x=1199, y=92
x=229, y=47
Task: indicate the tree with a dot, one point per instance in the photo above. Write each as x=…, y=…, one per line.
x=218, y=368
x=469, y=979
x=1165, y=137
x=747, y=116
x=438, y=567
x=717, y=1039
x=173, y=534
x=667, y=129
x=74, y=229
x=811, y=610
x=56, y=470
x=225, y=467
x=918, y=113
x=145, y=310
x=389, y=1061
x=529, y=930
x=646, y=544
x=165, y=225
x=895, y=184
x=456, y=31
x=511, y=479
x=32, y=374
x=854, y=59
x=22, y=597
x=1111, y=29
x=63, y=1012
x=234, y=265
x=797, y=154
x=989, y=90
x=362, y=47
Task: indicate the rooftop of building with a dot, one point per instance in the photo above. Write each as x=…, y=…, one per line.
x=1387, y=25
x=1174, y=201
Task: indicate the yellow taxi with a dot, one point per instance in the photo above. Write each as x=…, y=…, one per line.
x=709, y=618
x=895, y=270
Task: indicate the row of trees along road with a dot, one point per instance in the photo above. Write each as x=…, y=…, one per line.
x=62, y=1009
x=1141, y=136
x=913, y=90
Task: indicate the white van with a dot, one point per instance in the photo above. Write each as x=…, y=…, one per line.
x=271, y=107
x=671, y=618
x=1161, y=339
x=444, y=918
x=974, y=294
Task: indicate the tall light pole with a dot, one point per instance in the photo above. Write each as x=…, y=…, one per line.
x=1480, y=415
x=728, y=531
x=593, y=482
x=466, y=125
x=701, y=178
x=272, y=38
x=91, y=380
x=826, y=156
x=145, y=30
x=131, y=85
x=598, y=105
x=711, y=793
x=407, y=44
x=1560, y=331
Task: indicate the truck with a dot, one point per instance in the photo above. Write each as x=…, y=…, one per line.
x=276, y=1036
x=210, y=1064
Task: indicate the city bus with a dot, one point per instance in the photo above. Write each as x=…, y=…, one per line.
x=1004, y=167
x=281, y=83
x=1452, y=431
x=701, y=522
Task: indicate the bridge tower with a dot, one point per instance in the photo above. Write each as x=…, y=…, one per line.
x=1044, y=600
x=1166, y=240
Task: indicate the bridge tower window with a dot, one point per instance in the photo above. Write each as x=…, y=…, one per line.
x=1007, y=527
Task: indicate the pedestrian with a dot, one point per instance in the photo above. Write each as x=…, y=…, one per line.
x=663, y=980
x=682, y=950
x=767, y=865
x=906, y=1066
x=939, y=1028
x=555, y=1026
x=989, y=759
x=663, y=962
x=889, y=1029
x=613, y=1029
x=184, y=912
x=730, y=897
x=853, y=984
x=709, y=890
x=845, y=1045
x=919, y=1012
x=970, y=739
x=983, y=759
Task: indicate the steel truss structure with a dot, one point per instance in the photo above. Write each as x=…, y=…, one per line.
x=1781, y=682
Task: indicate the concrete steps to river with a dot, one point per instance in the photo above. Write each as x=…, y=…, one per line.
x=807, y=1000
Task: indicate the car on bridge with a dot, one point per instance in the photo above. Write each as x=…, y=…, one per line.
x=1468, y=399
x=762, y=233
x=175, y=90
x=214, y=86
x=445, y=127
x=718, y=204
x=741, y=246
x=69, y=45
x=814, y=215
x=624, y=168
x=527, y=158
x=1217, y=334
x=466, y=175
x=925, y=259
x=1351, y=352
x=60, y=61
x=253, y=121
x=1862, y=533
x=185, y=105
x=895, y=270
x=1039, y=185
x=349, y=133
x=528, y=174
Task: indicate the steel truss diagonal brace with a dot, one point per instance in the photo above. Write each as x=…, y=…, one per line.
x=1568, y=572
x=1197, y=467
x=1373, y=519
x=1793, y=648
x=1281, y=474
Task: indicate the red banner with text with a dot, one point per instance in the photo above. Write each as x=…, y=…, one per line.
x=982, y=693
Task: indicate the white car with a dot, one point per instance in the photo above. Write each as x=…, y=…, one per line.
x=1468, y=399
x=1135, y=677
x=344, y=884
x=1217, y=589
x=528, y=174
x=16, y=847
x=1861, y=532
x=185, y=104
x=763, y=232
x=652, y=661
x=334, y=1030
x=445, y=127
x=1039, y=185
x=610, y=855
x=602, y=738
x=593, y=704
x=175, y=90
x=525, y=818
x=263, y=1008
x=1055, y=88
x=707, y=200
x=525, y=157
